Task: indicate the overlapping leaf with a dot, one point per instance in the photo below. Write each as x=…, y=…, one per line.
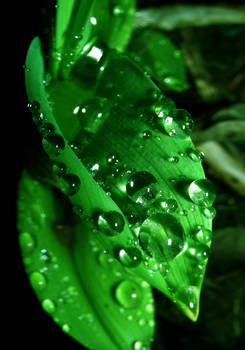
x=86, y=305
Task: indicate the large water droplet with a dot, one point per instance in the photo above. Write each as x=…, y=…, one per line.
x=197, y=251
x=70, y=184
x=111, y=223
x=202, y=192
x=179, y=124
x=53, y=144
x=38, y=281
x=129, y=257
x=161, y=236
x=27, y=242
x=139, y=187
x=128, y=294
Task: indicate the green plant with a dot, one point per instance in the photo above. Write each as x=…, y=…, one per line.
x=121, y=204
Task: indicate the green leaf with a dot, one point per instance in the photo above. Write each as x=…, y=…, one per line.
x=80, y=23
x=97, y=303
x=160, y=57
x=146, y=198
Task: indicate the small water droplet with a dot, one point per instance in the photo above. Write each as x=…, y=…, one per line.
x=70, y=184
x=178, y=124
x=202, y=192
x=203, y=235
x=27, y=242
x=129, y=257
x=173, y=159
x=128, y=294
x=66, y=328
x=117, y=11
x=210, y=213
x=146, y=135
x=197, y=251
x=139, y=345
x=195, y=155
x=113, y=159
x=49, y=306
x=38, y=281
x=111, y=223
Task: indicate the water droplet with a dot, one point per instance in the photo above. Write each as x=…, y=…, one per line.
x=173, y=159
x=49, y=306
x=178, y=124
x=168, y=205
x=38, y=281
x=161, y=236
x=139, y=345
x=46, y=257
x=59, y=168
x=111, y=223
x=129, y=257
x=70, y=184
x=195, y=155
x=163, y=108
x=173, y=83
x=117, y=11
x=203, y=235
x=53, y=144
x=197, y=251
x=139, y=187
x=66, y=328
x=128, y=294
x=27, y=242
x=146, y=134
x=210, y=213
x=34, y=108
x=202, y=192
x=46, y=129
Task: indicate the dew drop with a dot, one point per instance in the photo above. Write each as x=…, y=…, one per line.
x=173, y=159
x=129, y=257
x=202, y=192
x=113, y=159
x=38, y=281
x=203, y=235
x=49, y=306
x=178, y=124
x=46, y=129
x=161, y=236
x=195, y=155
x=139, y=187
x=53, y=144
x=70, y=184
x=128, y=294
x=168, y=205
x=139, y=345
x=189, y=296
x=66, y=328
x=163, y=108
x=111, y=223
x=117, y=11
x=27, y=242
x=197, y=251
x=147, y=135
x=210, y=213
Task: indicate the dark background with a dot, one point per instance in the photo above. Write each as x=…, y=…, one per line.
x=26, y=322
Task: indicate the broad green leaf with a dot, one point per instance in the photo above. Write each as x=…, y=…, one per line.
x=80, y=24
x=145, y=172
x=85, y=291
x=160, y=57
